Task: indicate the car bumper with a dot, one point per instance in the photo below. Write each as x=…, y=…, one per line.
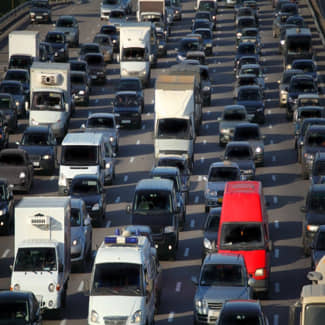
x=128, y=120
x=205, y=319
x=77, y=254
x=43, y=164
x=40, y=18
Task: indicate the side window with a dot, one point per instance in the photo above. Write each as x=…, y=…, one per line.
x=108, y=150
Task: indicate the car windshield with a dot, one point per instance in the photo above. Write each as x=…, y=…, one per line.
x=245, y=134
x=47, y=101
x=247, y=81
x=55, y=38
x=227, y=275
x=206, y=34
x=316, y=201
x=75, y=218
x=250, y=32
x=151, y=201
x=10, y=89
x=77, y=79
x=20, y=62
x=212, y=223
x=235, y=318
x=239, y=153
x=84, y=187
x=64, y=22
x=133, y=54
x=201, y=24
x=75, y=66
x=14, y=312
x=129, y=85
x=79, y=155
x=298, y=44
x=109, y=30
x=206, y=5
x=223, y=174
x=246, y=22
x=247, y=60
x=305, y=66
x=90, y=49
x=241, y=235
x=319, y=168
x=126, y=100
x=238, y=115
x=12, y=159
x=249, y=94
x=202, y=15
x=121, y=279
x=35, y=259
x=4, y=103
x=16, y=75
x=95, y=60
x=35, y=139
x=246, y=48
x=174, y=128
x=103, y=40
x=100, y=122
x=40, y=4
x=189, y=45
x=316, y=139
x=314, y=314
x=310, y=113
x=117, y=14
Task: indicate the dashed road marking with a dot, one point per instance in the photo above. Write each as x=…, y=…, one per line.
x=196, y=199
x=192, y=223
x=178, y=286
x=271, y=141
x=276, y=252
x=277, y=287
x=52, y=178
x=275, y=200
x=204, y=141
x=117, y=200
x=273, y=178
x=5, y=253
x=276, y=319
x=186, y=252
x=202, y=160
x=171, y=317
x=138, y=142
x=63, y=322
x=270, y=126
x=81, y=286
x=273, y=158
x=125, y=179
x=108, y=224
x=276, y=224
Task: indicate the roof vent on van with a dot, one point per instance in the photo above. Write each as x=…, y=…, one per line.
x=51, y=79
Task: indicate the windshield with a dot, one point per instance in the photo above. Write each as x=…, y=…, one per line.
x=12, y=159
x=222, y=275
x=100, y=122
x=316, y=139
x=117, y=14
x=249, y=94
x=247, y=81
x=204, y=33
x=305, y=66
x=75, y=218
x=126, y=100
x=95, y=60
x=241, y=236
x=235, y=318
x=223, y=174
x=84, y=187
x=255, y=71
x=244, y=134
x=246, y=22
x=174, y=128
x=134, y=54
x=111, y=2
x=248, y=60
x=4, y=103
x=35, y=259
x=314, y=314
x=122, y=279
x=298, y=45
x=316, y=201
x=10, y=89
x=152, y=201
x=14, y=312
x=109, y=30
x=55, y=38
x=189, y=45
x=319, y=168
x=129, y=85
x=35, y=139
x=89, y=49
x=309, y=113
x=246, y=48
x=234, y=115
x=103, y=40
x=64, y=22
x=16, y=75
x=239, y=153
x=79, y=155
x=75, y=66
x=77, y=79
x=250, y=32
x=206, y=5
x=40, y=4
x=47, y=101
x=20, y=62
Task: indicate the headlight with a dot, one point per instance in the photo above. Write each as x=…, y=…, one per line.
x=169, y=229
x=283, y=92
x=16, y=287
x=308, y=156
x=211, y=192
x=94, y=317
x=206, y=88
x=209, y=45
x=22, y=175
x=258, y=150
x=95, y=207
x=143, y=72
x=260, y=272
x=225, y=131
x=114, y=41
x=3, y=212
x=17, y=103
x=111, y=139
x=46, y=157
x=180, y=57
x=51, y=287
x=207, y=244
x=198, y=303
x=312, y=228
x=75, y=242
x=32, y=13
x=282, y=42
x=289, y=66
x=81, y=92
x=136, y=317
x=239, y=35
x=108, y=165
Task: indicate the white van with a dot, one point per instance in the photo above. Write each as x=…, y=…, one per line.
x=85, y=153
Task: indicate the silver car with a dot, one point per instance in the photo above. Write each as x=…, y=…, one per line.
x=70, y=27
x=105, y=45
x=81, y=234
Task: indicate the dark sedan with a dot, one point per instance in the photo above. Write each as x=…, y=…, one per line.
x=96, y=66
x=114, y=34
x=59, y=44
x=40, y=11
x=6, y=207
x=133, y=84
x=80, y=87
x=8, y=111
x=40, y=143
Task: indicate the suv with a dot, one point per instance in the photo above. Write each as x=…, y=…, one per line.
x=70, y=27
x=318, y=247
x=222, y=277
x=40, y=11
x=318, y=170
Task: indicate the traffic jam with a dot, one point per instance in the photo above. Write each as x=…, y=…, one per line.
x=163, y=161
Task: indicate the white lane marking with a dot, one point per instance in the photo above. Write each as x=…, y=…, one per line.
x=273, y=158
x=171, y=317
x=209, y=112
x=276, y=252
x=186, y=252
x=143, y=126
x=207, y=126
x=117, y=200
x=108, y=224
x=5, y=253
x=131, y=159
x=52, y=178
x=275, y=199
x=277, y=287
x=81, y=286
x=200, y=178
x=192, y=224
x=204, y=141
x=273, y=178
x=202, y=160
x=178, y=286
x=125, y=179
x=276, y=224
x=96, y=101
x=63, y=322
x=138, y=142
x=276, y=319
x=268, y=111
x=196, y=199
x=271, y=141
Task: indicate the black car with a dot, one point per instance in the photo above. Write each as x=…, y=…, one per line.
x=202, y=23
x=19, y=307
x=86, y=48
x=318, y=247
x=21, y=75
x=278, y=23
x=210, y=231
x=60, y=45
x=96, y=65
x=314, y=210
x=308, y=66
x=318, y=170
x=8, y=110
x=40, y=143
x=133, y=84
x=20, y=61
x=188, y=44
x=91, y=190
x=245, y=59
x=128, y=108
x=244, y=49
x=6, y=208
x=114, y=34
x=205, y=15
x=161, y=44
x=207, y=38
x=241, y=153
x=46, y=52
x=242, y=23
x=80, y=87
x=40, y=11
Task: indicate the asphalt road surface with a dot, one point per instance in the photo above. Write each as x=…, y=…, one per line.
x=284, y=188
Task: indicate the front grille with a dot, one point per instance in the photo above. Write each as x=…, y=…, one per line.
x=125, y=114
x=156, y=230
x=115, y=321
x=133, y=73
x=215, y=305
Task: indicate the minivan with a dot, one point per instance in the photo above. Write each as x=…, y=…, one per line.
x=244, y=229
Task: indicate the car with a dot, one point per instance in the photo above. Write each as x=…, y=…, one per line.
x=207, y=38
x=251, y=34
x=4, y=132
x=279, y=21
x=79, y=65
x=6, y=207
x=202, y=23
x=8, y=111
x=282, y=36
x=241, y=153
x=142, y=230
x=104, y=123
x=117, y=17
x=59, y=44
x=245, y=11
x=250, y=132
x=187, y=44
x=242, y=311
x=222, y=277
x=40, y=11
x=96, y=65
x=314, y=215
x=244, y=49
x=231, y=116
x=308, y=66
x=291, y=9
x=209, y=5
x=210, y=232
x=205, y=15
x=21, y=75
x=252, y=98
x=297, y=21
x=314, y=141
x=303, y=112
x=198, y=56
x=113, y=33
x=133, y=84
x=128, y=108
x=40, y=144
x=317, y=247
x=318, y=169
x=20, y=307
x=161, y=44
x=70, y=27
x=255, y=69
x=105, y=45
x=248, y=79
x=244, y=22
x=90, y=189
x=219, y=173
x=46, y=52
x=307, y=99
x=80, y=87
x=16, y=89
x=81, y=234
x=177, y=8
x=245, y=59
x=86, y=48
x=107, y=6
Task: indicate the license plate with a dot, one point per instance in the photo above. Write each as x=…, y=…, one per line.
x=214, y=313
x=36, y=163
x=39, y=17
x=126, y=121
x=93, y=77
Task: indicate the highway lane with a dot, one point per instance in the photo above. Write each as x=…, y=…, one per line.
x=284, y=189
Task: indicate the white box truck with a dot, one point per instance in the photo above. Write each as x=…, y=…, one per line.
x=51, y=102
x=24, y=42
x=174, y=124
x=42, y=249
x=136, y=50
x=150, y=6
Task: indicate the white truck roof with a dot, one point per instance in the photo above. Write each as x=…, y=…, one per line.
x=82, y=139
x=313, y=293
x=24, y=42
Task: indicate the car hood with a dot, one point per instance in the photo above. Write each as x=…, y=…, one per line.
x=107, y=132
x=36, y=150
x=39, y=10
x=244, y=164
x=250, y=103
x=89, y=199
x=127, y=109
x=315, y=218
x=216, y=186
x=255, y=143
x=229, y=124
x=57, y=46
x=222, y=293
x=65, y=30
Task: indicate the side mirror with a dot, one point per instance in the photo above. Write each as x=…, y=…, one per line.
x=87, y=221
x=128, y=209
x=303, y=209
x=251, y=282
x=195, y=280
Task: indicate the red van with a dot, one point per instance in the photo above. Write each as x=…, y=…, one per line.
x=244, y=229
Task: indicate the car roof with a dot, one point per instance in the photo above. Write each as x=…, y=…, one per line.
x=37, y=129
x=217, y=258
x=308, y=95
x=82, y=138
x=220, y=164
x=86, y=176
x=126, y=92
x=317, y=188
x=242, y=306
x=315, y=127
x=238, y=144
x=234, y=107
x=155, y=184
x=94, y=115
x=11, y=82
x=164, y=170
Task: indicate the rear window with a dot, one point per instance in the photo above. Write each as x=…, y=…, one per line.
x=100, y=122
x=234, y=115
